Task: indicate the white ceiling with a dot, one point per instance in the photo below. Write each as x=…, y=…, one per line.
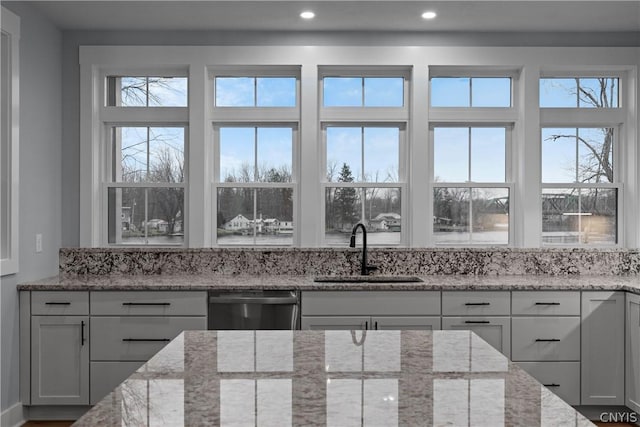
x=354, y=15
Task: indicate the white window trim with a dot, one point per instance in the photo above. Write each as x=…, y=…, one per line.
x=311, y=61
x=364, y=116
x=11, y=28
x=624, y=121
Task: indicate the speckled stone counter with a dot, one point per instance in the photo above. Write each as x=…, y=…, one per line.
x=341, y=261
x=330, y=378
x=178, y=282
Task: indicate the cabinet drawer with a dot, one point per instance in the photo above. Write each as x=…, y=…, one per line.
x=148, y=303
x=45, y=303
x=545, y=338
x=551, y=303
x=371, y=303
x=494, y=330
x=562, y=378
x=482, y=303
x=105, y=376
x=136, y=338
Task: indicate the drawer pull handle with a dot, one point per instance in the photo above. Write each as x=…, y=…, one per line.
x=82, y=339
x=547, y=303
x=477, y=303
x=547, y=340
x=476, y=321
x=551, y=385
x=147, y=303
x=146, y=339
x=57, y=303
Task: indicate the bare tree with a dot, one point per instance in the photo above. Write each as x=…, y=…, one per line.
x=598, y=162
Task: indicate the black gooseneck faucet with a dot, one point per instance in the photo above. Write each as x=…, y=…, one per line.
x=364, y=269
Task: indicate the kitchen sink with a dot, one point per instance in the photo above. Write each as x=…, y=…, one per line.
x=368, y=279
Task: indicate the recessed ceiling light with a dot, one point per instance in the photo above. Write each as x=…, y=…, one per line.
x=307, y=14
x=429, y=15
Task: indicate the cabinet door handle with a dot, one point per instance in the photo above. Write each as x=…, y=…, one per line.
x=477, y=303
x=476, y=321
x=147, y=303
x=547, y=339
x=366, y=324
x=375, y=325
x=145, y=339
x=57, y=303
x=82, y=340
x=551, y=385
x=547, y=303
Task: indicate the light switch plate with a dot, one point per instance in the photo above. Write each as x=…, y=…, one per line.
x=38, y=243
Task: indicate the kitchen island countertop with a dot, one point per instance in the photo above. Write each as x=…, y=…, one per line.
x=184, y=282
x=339, y=378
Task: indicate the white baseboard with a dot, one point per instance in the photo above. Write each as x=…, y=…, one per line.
x=13, y=416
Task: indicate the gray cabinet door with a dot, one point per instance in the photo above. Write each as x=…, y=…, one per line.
x=493, y=329
x=425, y=323
x=335, y=322
x=632, y=362
x=60, y=360
x=602, y=348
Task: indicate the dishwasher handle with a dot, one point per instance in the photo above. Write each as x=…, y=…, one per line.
x=253, y=300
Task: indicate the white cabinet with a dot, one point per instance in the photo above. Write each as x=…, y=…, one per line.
x=59, y=346
x=371, y=310
x=77, y=346
x=495, y=330
x=487, y=313
x=632, y=347
x=545, y=342
x=602, y=348
x=562, y=378
x=129, y=327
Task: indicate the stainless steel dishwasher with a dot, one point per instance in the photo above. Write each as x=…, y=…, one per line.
x=254, y=310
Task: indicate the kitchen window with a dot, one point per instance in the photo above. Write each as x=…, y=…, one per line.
x=364, y=116
x=145, y=158
x=472, y=117
x=581, y=125
x=255, y=190
x=471, y=190
x=580, y=193
x=255, y=118
x=146, y=195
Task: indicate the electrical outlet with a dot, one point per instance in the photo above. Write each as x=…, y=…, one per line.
x=38, y=243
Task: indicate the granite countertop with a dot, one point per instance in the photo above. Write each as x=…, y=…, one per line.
x=332, y=378
x=183, y=282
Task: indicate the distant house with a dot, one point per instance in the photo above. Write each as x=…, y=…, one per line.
x=238, y=223
x=386, y=221
x=159, y=225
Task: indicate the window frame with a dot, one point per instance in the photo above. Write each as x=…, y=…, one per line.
x=508, y=183
x=579, y=117
x=216, y=183
x=364, y=116
x=109, y=117
x=253, y=117
x=526, y=63
x=10, y=27
x=402, y=182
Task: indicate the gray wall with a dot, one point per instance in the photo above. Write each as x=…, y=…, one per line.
x=40, y=178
